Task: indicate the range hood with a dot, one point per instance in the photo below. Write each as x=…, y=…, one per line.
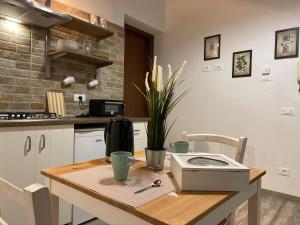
x=31, y=13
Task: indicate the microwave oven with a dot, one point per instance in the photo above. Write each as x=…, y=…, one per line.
x=105, y=108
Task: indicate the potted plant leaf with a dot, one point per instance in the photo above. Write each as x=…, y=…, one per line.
x=161, y=100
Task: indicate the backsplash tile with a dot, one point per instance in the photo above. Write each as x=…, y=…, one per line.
x=23, y=85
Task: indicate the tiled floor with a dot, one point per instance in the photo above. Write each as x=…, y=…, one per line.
x=275, y=211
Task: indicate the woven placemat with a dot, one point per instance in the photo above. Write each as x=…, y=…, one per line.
x=101, y=179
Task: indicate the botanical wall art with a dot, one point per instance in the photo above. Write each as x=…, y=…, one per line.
x=241, y=64
x=212, y=47
x=287, y=43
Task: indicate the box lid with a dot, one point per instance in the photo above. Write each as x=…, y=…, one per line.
x=207, y=161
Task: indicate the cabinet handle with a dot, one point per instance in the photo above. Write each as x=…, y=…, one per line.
x=136, y=132
x=28, y=143
x=43, y=141
x=98, y=140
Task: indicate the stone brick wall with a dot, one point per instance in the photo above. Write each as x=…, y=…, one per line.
x=23, y=85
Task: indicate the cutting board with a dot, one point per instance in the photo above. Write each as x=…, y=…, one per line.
x=56, y=103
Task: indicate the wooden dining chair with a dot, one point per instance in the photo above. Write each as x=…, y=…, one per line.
x=34, y=200
x=238, y=143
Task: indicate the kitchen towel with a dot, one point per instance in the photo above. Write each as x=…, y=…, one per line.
x=101, y=180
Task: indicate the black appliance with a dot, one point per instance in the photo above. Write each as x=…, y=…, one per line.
x=26, y=115
x=118, y=136
x=102, y=107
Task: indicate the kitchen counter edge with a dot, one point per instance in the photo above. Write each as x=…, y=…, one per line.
x=66, y=121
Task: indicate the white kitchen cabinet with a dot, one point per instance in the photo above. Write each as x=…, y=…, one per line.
x=42, y=153
x=140, y=136
x=2, y=138
x=25, y=151
x=18, y=154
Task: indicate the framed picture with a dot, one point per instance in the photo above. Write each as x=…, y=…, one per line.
x=287, y=43
x=242, y=64
x=212, y=46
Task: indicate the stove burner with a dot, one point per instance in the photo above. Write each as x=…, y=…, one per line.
x=203, y=161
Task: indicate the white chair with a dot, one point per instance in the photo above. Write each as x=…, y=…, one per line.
x=34, y=200
x=238, y=143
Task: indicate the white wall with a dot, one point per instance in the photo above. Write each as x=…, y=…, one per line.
x=148, y=12
x=241, y=106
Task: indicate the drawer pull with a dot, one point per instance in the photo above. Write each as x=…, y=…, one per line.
x=98, y=140
x=28, y=144
x=136, y=132
x=43, y=142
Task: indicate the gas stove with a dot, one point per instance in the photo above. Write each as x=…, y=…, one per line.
x=26, y=115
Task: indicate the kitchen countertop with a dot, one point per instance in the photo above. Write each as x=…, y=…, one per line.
x=65, y=121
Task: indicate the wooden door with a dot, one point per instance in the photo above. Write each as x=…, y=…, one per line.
x=138, y=57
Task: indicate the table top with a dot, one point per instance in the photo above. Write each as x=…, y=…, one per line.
x=187, y=208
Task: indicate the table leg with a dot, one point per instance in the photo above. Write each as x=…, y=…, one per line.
x=254, y=206
x=55, y=209
x=231, y=219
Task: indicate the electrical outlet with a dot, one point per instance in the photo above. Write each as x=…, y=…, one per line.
x=76, y=97
x=283, y=171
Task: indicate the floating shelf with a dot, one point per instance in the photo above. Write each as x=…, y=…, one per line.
x=100, y=62
x=88, y=28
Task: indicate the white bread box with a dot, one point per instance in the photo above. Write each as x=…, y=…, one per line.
x=208, y=172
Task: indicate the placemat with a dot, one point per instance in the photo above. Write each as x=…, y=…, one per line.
x=101, y=180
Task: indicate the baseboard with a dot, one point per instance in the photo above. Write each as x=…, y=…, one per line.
x=281, y=195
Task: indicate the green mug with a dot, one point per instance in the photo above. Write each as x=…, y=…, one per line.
x=121, y=161
x=180, y=146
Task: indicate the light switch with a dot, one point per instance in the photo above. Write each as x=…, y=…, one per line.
x=218, y=67
x=206, y=68
x=266, y=70
x=287, y=111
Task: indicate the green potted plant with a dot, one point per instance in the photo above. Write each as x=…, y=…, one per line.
x=161, y=100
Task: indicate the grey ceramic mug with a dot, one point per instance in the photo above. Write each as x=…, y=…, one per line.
x=180, y=146
x=121, y=161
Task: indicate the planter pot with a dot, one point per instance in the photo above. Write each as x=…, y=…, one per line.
x=155, y=159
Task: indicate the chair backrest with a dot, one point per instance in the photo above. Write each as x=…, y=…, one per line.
x=34, y=200
x=238, y=143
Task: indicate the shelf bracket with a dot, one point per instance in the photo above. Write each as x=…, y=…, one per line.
x=47, y=46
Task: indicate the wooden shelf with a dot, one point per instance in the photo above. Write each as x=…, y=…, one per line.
x=100, y=62
x=88, y=28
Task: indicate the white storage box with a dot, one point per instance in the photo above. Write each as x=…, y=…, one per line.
x=208, y=172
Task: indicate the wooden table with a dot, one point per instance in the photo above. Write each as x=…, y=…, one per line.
x=202, y=208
